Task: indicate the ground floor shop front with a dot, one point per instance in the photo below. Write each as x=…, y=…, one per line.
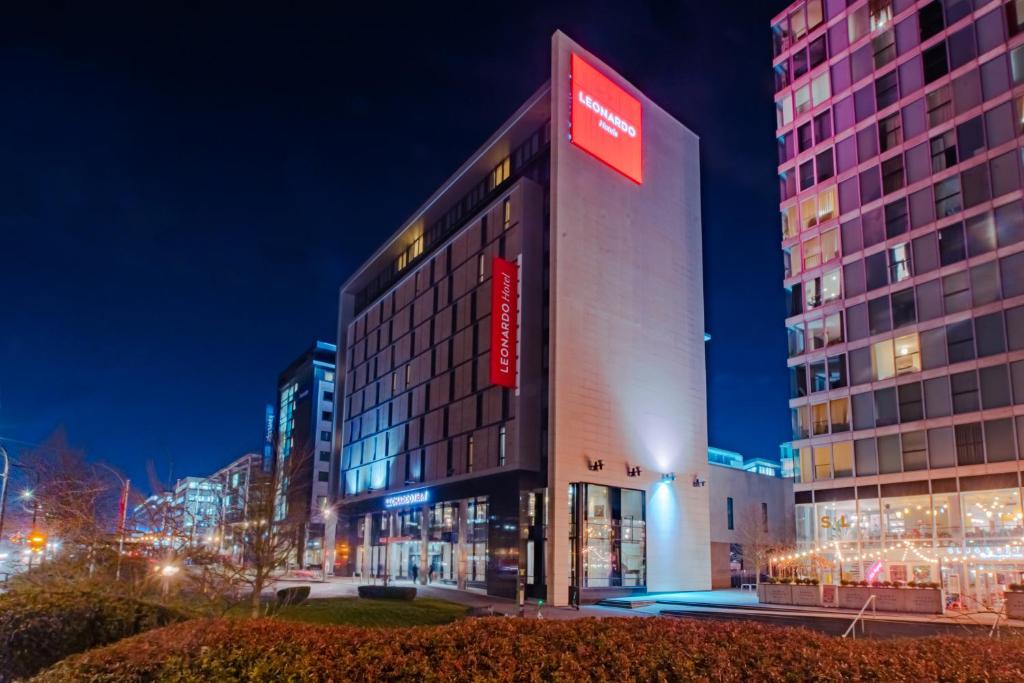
x=496, y=540
x=970, y=543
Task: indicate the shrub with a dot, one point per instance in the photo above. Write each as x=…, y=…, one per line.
x=788, y=580
x=387, y=592
x=294, y=595
x=496, y=649
x=38, y=628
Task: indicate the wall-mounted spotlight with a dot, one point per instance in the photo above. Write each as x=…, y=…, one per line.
x=633, y=471
x=668, y=476
x=698, y=482
x=595, y=465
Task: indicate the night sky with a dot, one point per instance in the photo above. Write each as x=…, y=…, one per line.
x=182, y=195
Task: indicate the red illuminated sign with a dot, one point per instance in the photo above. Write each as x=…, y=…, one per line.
x=605, y=120
x=504, y=309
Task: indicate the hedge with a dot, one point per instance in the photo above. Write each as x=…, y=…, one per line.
x=38, y=628
x=387, y=592
x=504, y=649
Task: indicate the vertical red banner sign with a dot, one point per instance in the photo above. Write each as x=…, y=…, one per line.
x=504, y=314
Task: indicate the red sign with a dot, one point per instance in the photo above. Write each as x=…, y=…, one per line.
x=605, y=120
x=504, y=311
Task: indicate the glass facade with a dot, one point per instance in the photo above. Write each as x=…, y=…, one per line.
x=972, y=542
x=613, y=546
x=902, y=231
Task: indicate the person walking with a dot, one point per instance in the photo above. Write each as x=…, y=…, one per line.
x=415, y=571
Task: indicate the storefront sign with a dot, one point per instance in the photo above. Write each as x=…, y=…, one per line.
x=504, y=311
x=407, y=498
x=605, y=120
x=829, y=596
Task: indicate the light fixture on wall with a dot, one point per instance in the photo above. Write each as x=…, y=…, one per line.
x=595, y=465
x=668, y=476
x=633, y=471
x=698, y=482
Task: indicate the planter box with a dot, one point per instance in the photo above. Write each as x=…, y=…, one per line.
x=809, y=596
x=776, y=593
x=853, y=597
x=913, y=600
x=924, y=600
x=1014, y=604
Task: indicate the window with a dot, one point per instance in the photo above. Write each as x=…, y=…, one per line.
x=837, y=371
x=908, y=356
x=911, y=402
x=729, y=514
x=965, y=392
x=943, y=150
x=830, y=286
x=325, y=456
x=882, y=362
x=506, y=206
x=899, y=262
x=502, y=433
x=839, y=411
x=960, y=341
x=935, y=63
x=823, y=126
x=816, y=334
x=825, y=166
x=789, y=223
x=970, y=449
x=827, y=204
x=903, y=311
x=887, y=90
x=325, y=436
x=940, y=105
x=834, y=329
x=889, y=132
x=783, y=117
x=470, y=454
x=819, y=418
x=764, y=517
x=947, y=197
x=323, y=476
x=883, y=46
x=820, y=88
x=804, y=139
x=892, y=174
x=930, y=20
x=802, y=99
x=795, y=337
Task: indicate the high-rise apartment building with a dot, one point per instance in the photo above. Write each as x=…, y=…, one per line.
x=899, y=138
x=524, y=408
x=303, y=435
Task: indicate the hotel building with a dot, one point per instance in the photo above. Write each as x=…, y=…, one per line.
x=899, y=133
x=302, y=440
x=524, y=406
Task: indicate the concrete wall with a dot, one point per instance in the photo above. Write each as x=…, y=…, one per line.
x=627, y=326
x=748, y=491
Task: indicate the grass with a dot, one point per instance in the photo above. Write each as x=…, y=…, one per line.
x=375, y=613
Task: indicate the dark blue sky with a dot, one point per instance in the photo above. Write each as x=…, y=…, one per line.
x=181, y=194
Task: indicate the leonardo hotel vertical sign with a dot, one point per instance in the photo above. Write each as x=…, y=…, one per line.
x=504, y=311
x=605, y=120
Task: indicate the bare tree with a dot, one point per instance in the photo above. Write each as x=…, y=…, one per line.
x=758, y=544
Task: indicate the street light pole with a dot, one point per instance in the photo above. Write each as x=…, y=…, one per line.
x=3, y=490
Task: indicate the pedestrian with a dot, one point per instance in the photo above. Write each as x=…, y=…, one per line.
x=415, y=571
x=380, y=569
x=432, y=572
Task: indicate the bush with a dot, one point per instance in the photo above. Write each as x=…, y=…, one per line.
x=387, y=592
x=294, y=595
x=496, y=649
x=38, y=628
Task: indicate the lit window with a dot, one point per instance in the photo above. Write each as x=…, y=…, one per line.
x=469, y=455
x=881, y=13
x=822, y=462
x=809, y=212
x=829, y=245
x=899, y=262
x=820, y=90
x=789, y=224
x=830, y=286
x=506, y=212
x=803, y=99
x=827, y=204
x=816, y=333
x=834, y=329
x=784, y=111
x=882, y=364
x=812, y=253
x=908, y=356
